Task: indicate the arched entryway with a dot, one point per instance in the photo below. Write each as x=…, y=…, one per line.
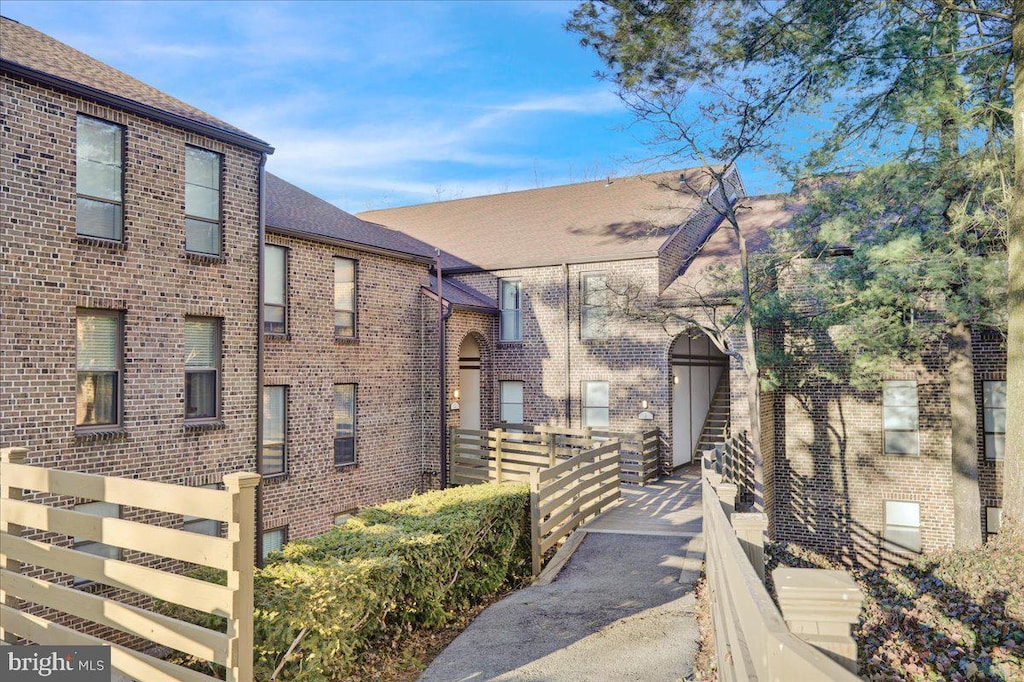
x=697, y=368
x=469, y=384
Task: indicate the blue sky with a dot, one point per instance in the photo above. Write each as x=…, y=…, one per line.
x=372, y=105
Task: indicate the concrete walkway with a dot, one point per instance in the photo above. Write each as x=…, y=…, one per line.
x=621, y=609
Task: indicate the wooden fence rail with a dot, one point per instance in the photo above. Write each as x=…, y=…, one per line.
x=234, y=506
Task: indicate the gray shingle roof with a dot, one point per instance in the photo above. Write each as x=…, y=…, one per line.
x=33, y=54
x=590, y=221
x=462, y=296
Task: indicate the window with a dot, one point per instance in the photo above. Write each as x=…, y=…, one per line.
x=106, y=510
x=344, y=298
x=595, y=404
x=99, y=179
x=994, y=401
x=344, y=424
x=202, y=364
x=993, y=520
x=900, y=417
x=341, y=518
x=511, y=402
x=275, y=429
x=196, y=524
x=274, y=540
x=903, y=524
x=99, y=359
x=593, y=307
x=202, y=201
x=275, y=289
x=511, y=320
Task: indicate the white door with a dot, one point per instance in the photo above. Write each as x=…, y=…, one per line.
x=682, y=429
x=469, y=385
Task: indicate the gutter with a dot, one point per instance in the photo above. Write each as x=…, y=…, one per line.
x=355, y=246
x=442, y=321
x=259, y=360
x=466, y=269
x=145, y=110
x=568, y=354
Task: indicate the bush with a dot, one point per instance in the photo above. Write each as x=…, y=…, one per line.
x=391, y=569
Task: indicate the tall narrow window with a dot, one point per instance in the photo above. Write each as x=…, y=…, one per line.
x=900, y=417
x=511, y=321
x=344, y=424
x=197, y=524
x=511, y=402
x=98, y=179
x=275, y=429
x=275, y=289
x=274, y=540
x=594, y=307
x=202, y=201
x=106, y=510
x=595, y=404
x=993, y=520
x=99, y=359
x=994, y=400
x=903, y=524
x=202, y=367
x=344, y=298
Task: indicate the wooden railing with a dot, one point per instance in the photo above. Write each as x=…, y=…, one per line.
x=564, y=496
x=234, y=554
x=753, y=641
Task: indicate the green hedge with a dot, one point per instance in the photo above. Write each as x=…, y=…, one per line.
x=391, y=569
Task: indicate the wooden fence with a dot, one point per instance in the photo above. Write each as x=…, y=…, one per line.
x=752, y=639
x=564, y=496
x=234, y=554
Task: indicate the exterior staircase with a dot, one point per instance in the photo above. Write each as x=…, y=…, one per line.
x=716, y=425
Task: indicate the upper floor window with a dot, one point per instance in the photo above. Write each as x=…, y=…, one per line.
x=511, y=402
x=344, y=424
x=202, y=201
x=903, y=524
x=593, y=306
x=344, y=298
x=275, y=289
x=900, y=418
x=994, y=402
x=596, y=404
x=511, y=322
x=202, y=367
x=99, y=179
x=275, y=429
x=99, y=358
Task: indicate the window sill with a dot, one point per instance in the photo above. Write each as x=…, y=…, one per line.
x=346, y=340
x=86, y=240
x=516, y=342
x=343, y=467
x=277, y=338
x=990, y=460
x=205, y=258
x=85, y=435
x=204, y=425
x=275, y=478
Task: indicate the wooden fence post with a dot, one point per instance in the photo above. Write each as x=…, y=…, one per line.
x=242, y=533
x=727, y=494
x=535, y=521
x=750, y=530
x=13, y=456
x=549, y=440
x=498, y=435
x=820, y=606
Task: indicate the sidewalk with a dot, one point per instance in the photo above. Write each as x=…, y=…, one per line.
x=621, y=609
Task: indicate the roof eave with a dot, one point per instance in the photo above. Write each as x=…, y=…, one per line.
x=487, y=310
x=103, y=97
x=466, y=269
x=355, y=246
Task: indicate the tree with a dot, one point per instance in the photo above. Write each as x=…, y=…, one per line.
x=1013, y=464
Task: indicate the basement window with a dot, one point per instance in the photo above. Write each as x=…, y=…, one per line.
x=993, y=520
x=903, y=524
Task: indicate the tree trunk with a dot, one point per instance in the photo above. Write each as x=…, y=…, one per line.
x=1013, y=459
x=964, y=427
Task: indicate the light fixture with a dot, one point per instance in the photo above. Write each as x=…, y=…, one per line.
x=675, y=379
x=455, y=394
x=643, y=404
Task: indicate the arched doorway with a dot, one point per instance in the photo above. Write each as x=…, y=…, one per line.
x=697, y=369
x=469, y=384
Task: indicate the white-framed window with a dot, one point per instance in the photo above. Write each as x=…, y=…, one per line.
x=275, y=289
x=900, y=418
x=593, y=305
x=274, y=540
x=197, y=524
x=202, y=201
x=595, y=404
x=275, y=429
x=107, y=510
x=903, y=524
x=510, y=323
x=511, y=404
x=994, y=406
x=99, y=178
x=344, y=424
x=344, y=298
x=993, y=521
x=99, y=357
x=202, y=368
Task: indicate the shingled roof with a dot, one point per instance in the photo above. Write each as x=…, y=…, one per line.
x=295, y=212
x=604, y=220
x=33, y=55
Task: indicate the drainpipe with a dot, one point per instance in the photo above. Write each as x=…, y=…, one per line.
x=568, y=357
x=442, y=398
x=259, y=357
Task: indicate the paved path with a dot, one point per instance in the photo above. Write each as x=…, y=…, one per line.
x=621, y=609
